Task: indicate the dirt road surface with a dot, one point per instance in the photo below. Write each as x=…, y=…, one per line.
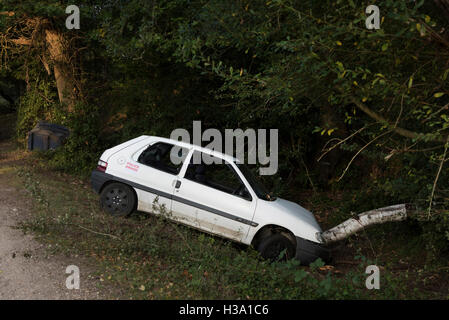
x=27, y=269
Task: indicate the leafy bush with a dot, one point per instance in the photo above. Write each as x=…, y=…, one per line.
x=35, y=105
x=311, y=69
x=81, y=151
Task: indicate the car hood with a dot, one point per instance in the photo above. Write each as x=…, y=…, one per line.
x=295, y=210
x=300, y=221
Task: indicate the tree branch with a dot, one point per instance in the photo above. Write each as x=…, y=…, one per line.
x=358, y=152
x=437, y=177
x=401, y=131
x=21, y=41
x=7, y=13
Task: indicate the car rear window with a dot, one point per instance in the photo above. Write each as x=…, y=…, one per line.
x=164, y=156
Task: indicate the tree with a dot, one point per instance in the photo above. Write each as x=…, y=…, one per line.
x=35, y=31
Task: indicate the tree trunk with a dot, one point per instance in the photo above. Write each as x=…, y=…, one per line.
x=65, y=83
x=377, y=216
x=59, y=53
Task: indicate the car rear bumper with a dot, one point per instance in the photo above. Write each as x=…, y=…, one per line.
x=98, y=179
x=308, y=251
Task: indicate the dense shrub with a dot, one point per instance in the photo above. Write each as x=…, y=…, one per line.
x=35, y=105
x=310, y=69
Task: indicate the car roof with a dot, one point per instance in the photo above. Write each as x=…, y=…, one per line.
x=195, y=147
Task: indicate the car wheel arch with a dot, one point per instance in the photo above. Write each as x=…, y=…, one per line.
x=270, y=229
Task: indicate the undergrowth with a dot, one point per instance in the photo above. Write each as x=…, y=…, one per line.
x=151, y=257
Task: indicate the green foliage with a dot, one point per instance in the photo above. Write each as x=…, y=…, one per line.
x=33, y=107
x=84, y=141
x=151, y=257
x=84, y=123
x=435, y=231
x=303, y=67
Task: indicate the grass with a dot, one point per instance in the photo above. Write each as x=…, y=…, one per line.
x=149, y=257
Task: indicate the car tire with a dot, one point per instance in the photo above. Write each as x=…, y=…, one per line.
x=271, y=247
x=118, y=199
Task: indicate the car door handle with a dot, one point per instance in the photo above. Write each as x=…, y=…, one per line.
x=178, y=184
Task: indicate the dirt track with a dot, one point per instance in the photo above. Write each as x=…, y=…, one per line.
x=27, y=270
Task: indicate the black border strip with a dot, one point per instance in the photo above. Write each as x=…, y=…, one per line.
x=107, y=177
x=276, y=309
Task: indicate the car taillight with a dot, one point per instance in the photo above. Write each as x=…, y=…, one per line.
x=102, y=166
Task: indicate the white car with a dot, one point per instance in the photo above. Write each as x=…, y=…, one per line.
x=223, y=199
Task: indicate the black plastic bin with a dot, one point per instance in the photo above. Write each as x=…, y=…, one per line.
x=47, y=136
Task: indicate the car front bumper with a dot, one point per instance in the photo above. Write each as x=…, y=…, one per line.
x=308, y=251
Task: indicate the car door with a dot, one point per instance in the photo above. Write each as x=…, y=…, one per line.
x=216, y=197
x=155, y=175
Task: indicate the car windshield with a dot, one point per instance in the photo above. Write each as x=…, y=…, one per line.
x=260, y=190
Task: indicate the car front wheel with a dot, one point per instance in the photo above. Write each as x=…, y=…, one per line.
x=118, y=199
x=272, y=246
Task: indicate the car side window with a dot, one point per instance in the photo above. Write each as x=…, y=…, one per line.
x=218, y=175
x=164, y=156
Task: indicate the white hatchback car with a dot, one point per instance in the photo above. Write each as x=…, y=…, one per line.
x=222, y=198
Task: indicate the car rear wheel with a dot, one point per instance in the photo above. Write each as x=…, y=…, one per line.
x=118, y=199
x=273, y=245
